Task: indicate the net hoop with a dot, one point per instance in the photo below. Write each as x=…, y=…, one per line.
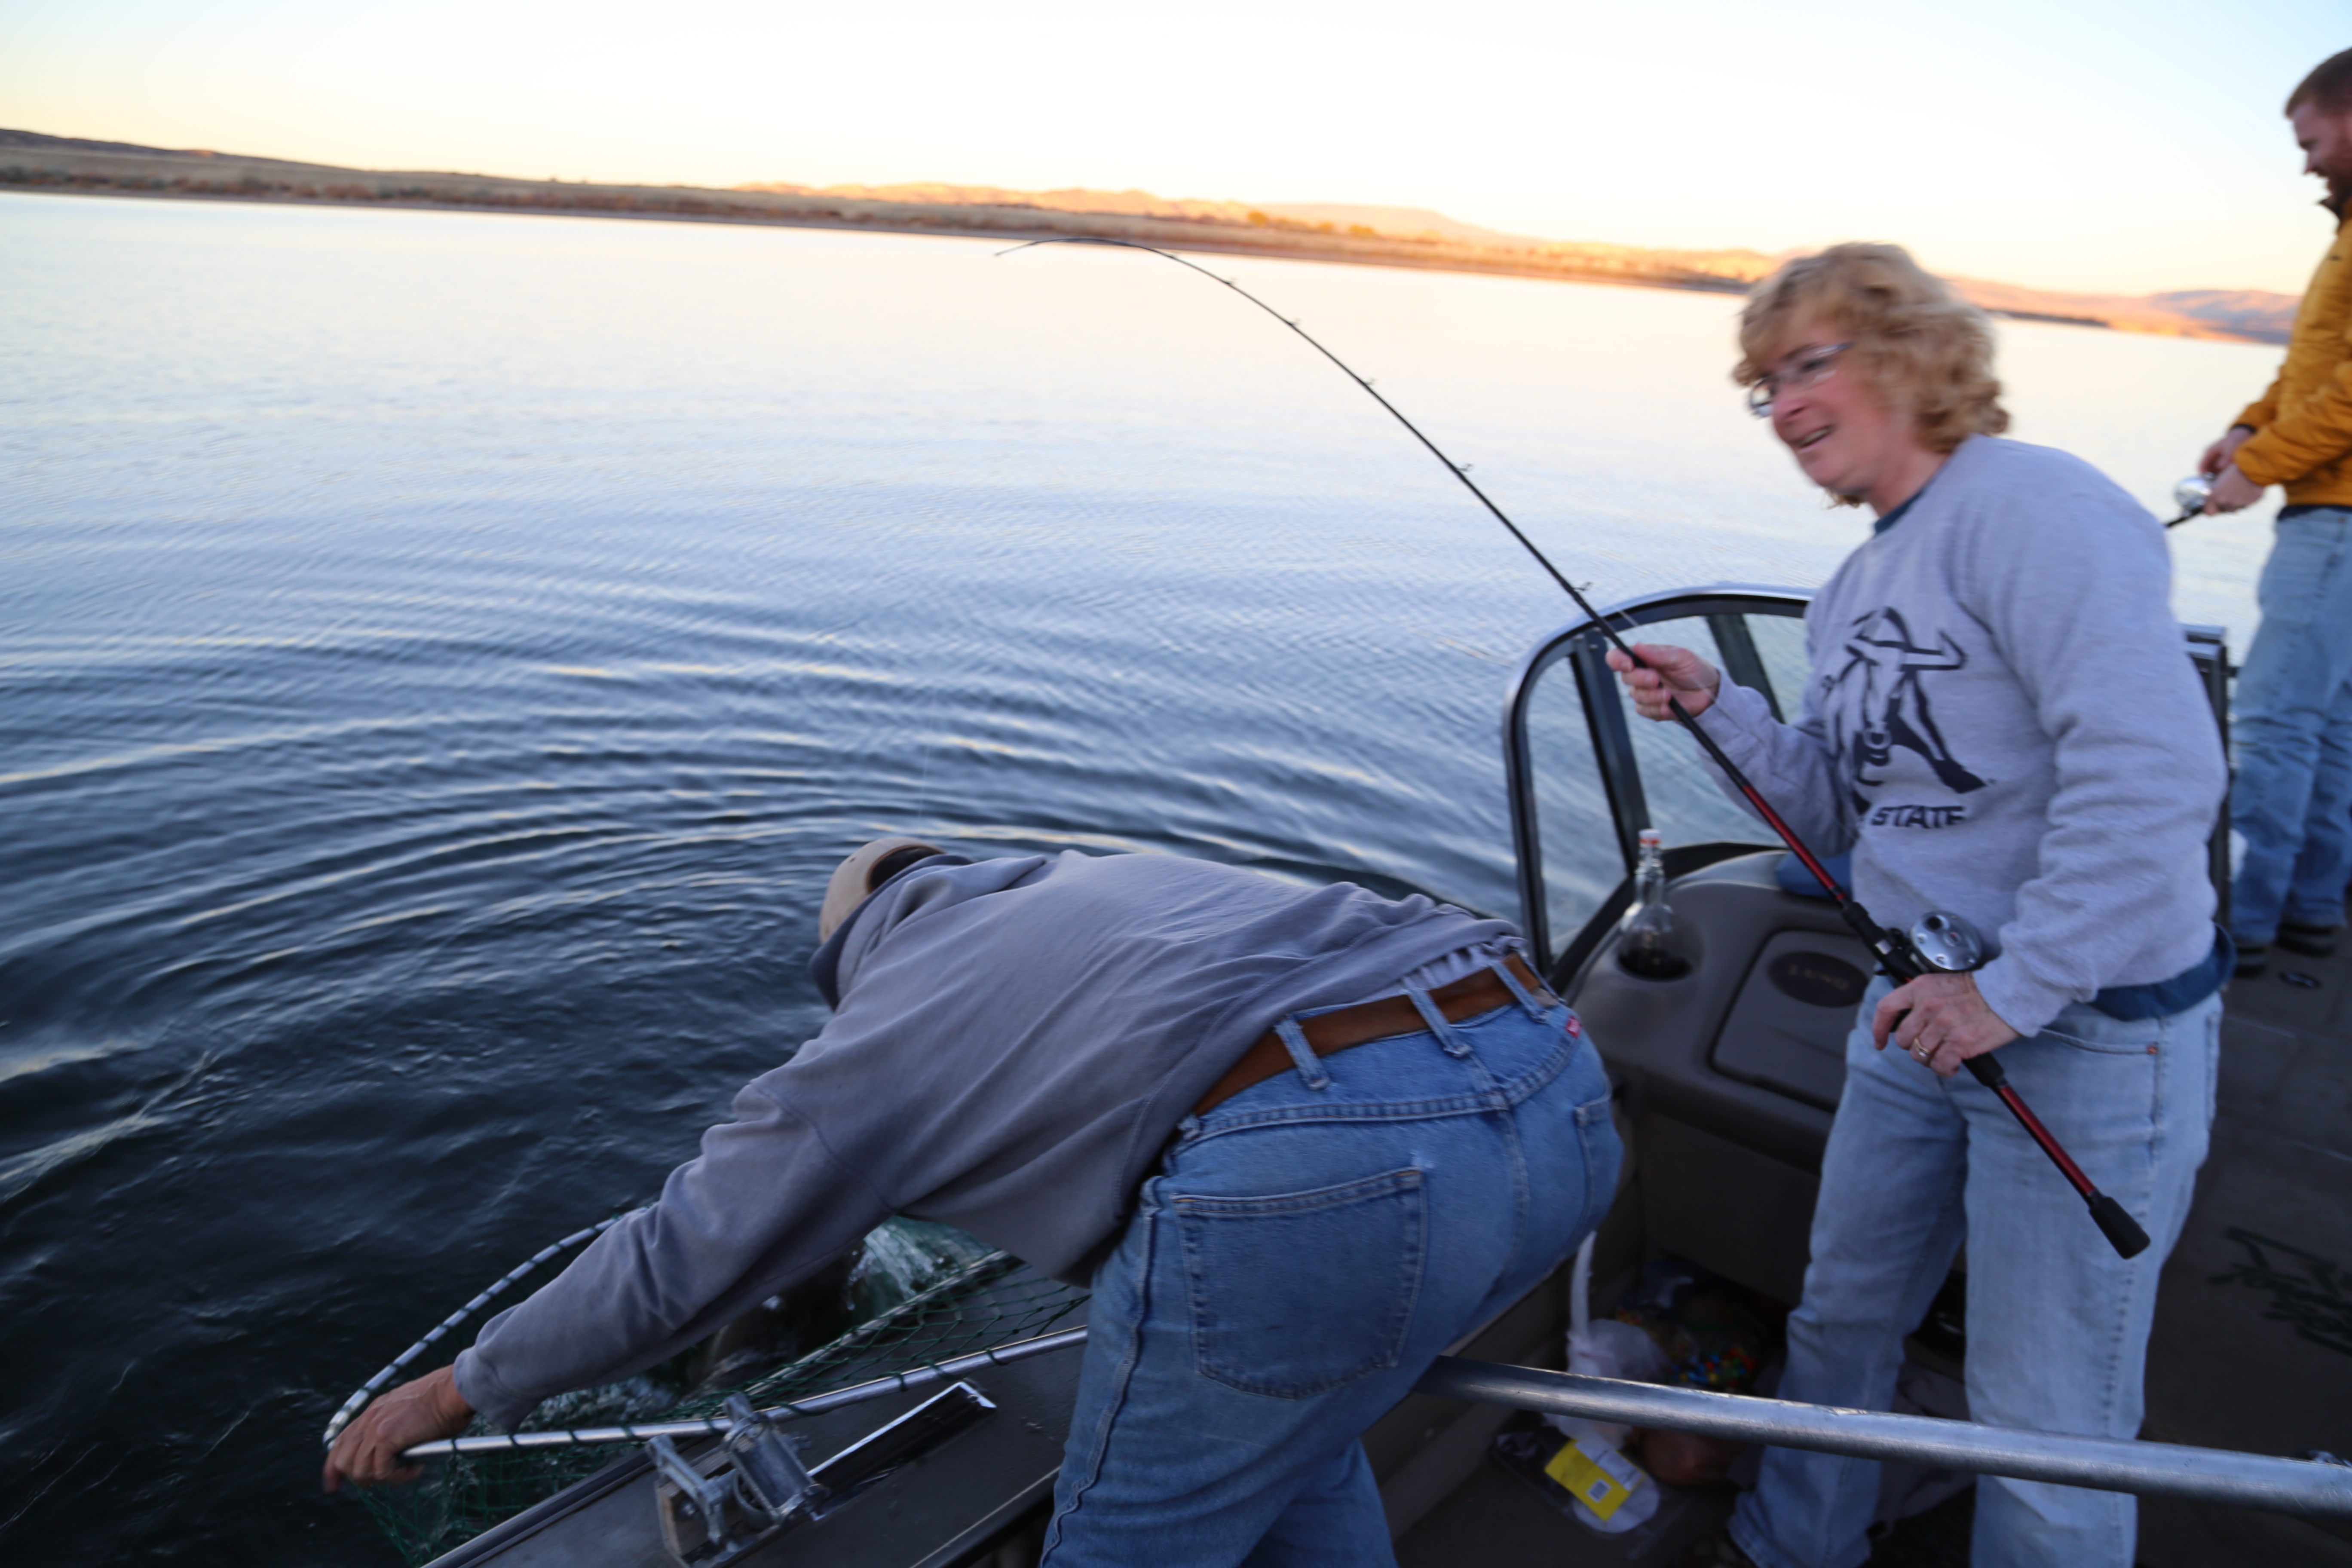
x=376, y=1384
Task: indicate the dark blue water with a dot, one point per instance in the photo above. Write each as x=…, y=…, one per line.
x=442, y=656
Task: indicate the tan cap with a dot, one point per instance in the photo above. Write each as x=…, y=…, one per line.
x=852, y=880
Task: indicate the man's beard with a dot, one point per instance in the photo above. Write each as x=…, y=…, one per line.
x=2338, y=177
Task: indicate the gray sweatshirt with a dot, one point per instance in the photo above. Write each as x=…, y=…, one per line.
x=2002, y=722
x=1015, y=1041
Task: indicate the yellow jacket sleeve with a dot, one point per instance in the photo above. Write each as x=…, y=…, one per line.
x=2316, y=432
x=2302, y=424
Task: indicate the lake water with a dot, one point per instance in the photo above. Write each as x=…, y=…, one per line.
x=442, y=656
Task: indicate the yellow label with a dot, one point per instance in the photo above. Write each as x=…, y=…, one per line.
x=1600, y=1479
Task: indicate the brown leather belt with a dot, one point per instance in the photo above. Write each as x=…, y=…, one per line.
x=1328, y=1033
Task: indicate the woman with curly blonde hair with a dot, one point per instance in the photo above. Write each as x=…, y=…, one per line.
x=1904, y=329
x=2001, y=723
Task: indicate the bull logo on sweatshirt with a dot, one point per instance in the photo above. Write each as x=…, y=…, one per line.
x=1878, y=700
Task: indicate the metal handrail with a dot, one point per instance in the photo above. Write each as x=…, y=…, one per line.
x=2107, y=1464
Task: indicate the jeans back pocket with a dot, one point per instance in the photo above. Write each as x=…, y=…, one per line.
x=1298, y=1292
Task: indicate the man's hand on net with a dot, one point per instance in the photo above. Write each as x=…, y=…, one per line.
x=368, y=1452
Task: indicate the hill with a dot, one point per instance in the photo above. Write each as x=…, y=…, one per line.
x=1378, y=236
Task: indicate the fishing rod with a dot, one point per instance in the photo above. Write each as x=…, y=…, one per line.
x=1901, y=955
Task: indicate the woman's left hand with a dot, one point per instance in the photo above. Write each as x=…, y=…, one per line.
x=1940, y=1019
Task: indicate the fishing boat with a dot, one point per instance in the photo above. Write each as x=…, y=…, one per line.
x=930, y=1438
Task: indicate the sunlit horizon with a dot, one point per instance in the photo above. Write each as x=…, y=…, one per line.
x=2109, y=149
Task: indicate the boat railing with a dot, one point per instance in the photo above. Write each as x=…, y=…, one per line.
x=2321, y=1485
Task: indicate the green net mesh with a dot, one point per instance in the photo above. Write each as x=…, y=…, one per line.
x=964, y=1299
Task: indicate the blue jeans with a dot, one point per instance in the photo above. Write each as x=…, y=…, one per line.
x=1307, y=1248
x=2057, y=1323
x=2291, y=800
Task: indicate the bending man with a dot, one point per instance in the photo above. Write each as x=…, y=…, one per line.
x=1297, y=1140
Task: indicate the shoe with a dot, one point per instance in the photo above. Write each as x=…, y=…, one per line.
x=2254, y=957
x=2312, y=941
x=1714, y=1551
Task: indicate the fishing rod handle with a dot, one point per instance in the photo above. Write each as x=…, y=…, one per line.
x=1903, y=962
x=2114, y=1222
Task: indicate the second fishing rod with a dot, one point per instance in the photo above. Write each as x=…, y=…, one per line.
x=1939, y=944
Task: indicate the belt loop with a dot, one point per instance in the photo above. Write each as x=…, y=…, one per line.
x=1456, y=1046
x=1526, y=1000
x=1302, y=1055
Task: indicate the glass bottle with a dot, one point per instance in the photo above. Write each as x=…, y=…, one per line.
x=1645, y=939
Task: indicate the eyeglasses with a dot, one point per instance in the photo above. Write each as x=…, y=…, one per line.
x=1816, y=367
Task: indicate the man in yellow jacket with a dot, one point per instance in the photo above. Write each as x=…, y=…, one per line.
x=2292, y=804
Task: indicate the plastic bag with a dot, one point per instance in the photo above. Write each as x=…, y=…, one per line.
x=1611, y=1493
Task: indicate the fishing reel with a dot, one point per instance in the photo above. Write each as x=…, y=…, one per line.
x=1946, y=943
x=2191, y=496
x=1938, y=943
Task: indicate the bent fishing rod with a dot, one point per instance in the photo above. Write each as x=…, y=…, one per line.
x=1897, y=953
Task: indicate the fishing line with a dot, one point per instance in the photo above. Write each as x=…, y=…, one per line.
x=1892, y=950
x=1874, y=935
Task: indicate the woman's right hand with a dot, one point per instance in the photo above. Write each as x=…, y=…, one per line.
x=1671, y=672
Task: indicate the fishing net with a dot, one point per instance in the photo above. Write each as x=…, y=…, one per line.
x=928, y=1294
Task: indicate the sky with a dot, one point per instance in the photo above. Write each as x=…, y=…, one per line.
x=2086, y=145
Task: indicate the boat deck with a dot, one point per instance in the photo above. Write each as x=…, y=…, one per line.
x=2252, y=1346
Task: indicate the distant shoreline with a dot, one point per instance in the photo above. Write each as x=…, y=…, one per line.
x=1009, y=224
x=32, y=162
x=985, y=229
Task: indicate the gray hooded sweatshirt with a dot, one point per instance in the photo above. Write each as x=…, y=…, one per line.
x=1014, y=1043
x=2003, y=723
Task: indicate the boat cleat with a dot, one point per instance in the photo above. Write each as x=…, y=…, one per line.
x=750, y=1487
x=737, y=1494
